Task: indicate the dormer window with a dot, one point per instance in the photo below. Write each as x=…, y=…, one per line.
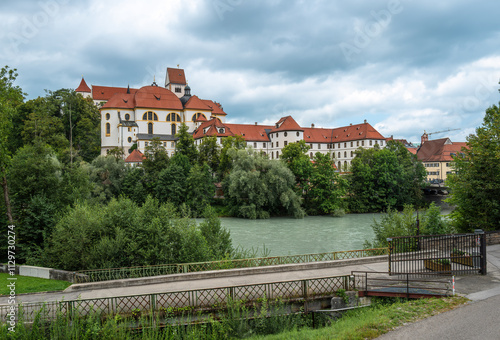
x=221, y=130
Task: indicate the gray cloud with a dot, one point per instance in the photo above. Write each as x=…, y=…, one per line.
x=404, y=65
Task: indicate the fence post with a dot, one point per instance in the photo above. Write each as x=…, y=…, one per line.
x=389, y=240
x=482, y=250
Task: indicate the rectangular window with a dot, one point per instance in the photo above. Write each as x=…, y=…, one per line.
x=277, y=144
x=255, y=145
x=129, y=129
x=352, y=144
x=272, y=144
x=286, y=143
x=370, y=143
x=357, y=143
x=146, y=144
x=263, y=145
x=319, y=146
x=362, y=143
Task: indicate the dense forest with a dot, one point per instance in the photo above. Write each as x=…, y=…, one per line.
x=75, y=209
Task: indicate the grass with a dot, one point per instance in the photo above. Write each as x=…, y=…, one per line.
x=370, y=323
x=26, y=284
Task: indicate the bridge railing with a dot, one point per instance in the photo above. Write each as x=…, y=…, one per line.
x=167, y=269
x=189, y=300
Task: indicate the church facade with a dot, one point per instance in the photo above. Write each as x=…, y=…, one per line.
x=135, y=116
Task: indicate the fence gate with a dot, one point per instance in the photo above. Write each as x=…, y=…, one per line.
x=455, y=254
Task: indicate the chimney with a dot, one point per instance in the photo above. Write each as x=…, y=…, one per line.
x=255, y=123
x=365, y=121
x=424, y=138
x=350, y=124
x=312, y=126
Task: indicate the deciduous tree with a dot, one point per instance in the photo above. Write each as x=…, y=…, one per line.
x=475, y=186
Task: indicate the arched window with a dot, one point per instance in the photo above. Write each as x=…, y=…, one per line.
x=174, y=129
x=107, y=116
x=173, y=117
x=345, y=154
x=127, y=116
x=108, y=129
x=150, y=116
x=150, y=128
x=311, y=155
x=339, y=166
x=277, y=154
x=197, y=115
x=339, y=154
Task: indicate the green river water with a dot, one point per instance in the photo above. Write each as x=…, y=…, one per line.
x=314, y=234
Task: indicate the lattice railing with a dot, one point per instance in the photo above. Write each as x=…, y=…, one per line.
x=167, y=269
x=191, y=300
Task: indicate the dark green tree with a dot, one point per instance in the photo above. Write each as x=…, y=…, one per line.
x=11, y=96
x=232, y=142
x=185, y=144
x=295, y=157
x=106, y=175
x=475, y=186
x=200, y=188
x=209, y=152
x=385, y=178
x=257, y=187
x=327, y=187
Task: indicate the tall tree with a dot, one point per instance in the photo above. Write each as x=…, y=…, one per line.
x=257, y=187
x=209, y=152
x=475, y=185
x=327, y=187
x=295, y=157
x=384, y=178
x=185, y=144
x=11, y=96
x=232, y=142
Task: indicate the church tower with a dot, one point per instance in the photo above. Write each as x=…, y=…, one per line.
x=175, y=81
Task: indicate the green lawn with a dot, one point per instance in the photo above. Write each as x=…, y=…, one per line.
x=26, y=284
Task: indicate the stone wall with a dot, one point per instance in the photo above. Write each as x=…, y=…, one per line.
x=492, y=237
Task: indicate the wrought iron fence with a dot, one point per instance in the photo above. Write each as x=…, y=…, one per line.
x=449, y=254
x=167, y=269
x=189, y=300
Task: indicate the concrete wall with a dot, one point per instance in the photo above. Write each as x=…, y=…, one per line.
x=44, y=273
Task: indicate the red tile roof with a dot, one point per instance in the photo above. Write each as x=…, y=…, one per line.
x=83, y=87
x=156, y=97
x=342, y=134
x=195, y=103
x=176, y=76
x=251, y=133
x=439, y=150
x=286, y=124
x=120, y=101
x=216, y=107
x=135, y=157
x=106, y=92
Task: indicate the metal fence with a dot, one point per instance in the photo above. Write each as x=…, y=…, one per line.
x=455, y=254
x=404, y=285
x=167, y=269
x=190, y=300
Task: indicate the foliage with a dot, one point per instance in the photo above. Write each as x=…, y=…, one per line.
x=66, y=121
x=172, y=185
x=394, y=223
x=209, y=152
x=475, y=186
x=232, y=142
x=185, y=144
x=326, y=187
x=258, y=187
x=200, y=188
x=122, y=234
x=385, y=178
x=295, y=157
x=106, y=175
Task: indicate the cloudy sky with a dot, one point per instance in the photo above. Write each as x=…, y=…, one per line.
x=405, y=66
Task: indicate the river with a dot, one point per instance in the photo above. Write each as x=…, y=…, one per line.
x=314, y=234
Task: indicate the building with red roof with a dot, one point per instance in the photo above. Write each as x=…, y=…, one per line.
x=437, y=156
x=134, y=117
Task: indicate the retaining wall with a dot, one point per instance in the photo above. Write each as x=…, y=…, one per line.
x=43, y=273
